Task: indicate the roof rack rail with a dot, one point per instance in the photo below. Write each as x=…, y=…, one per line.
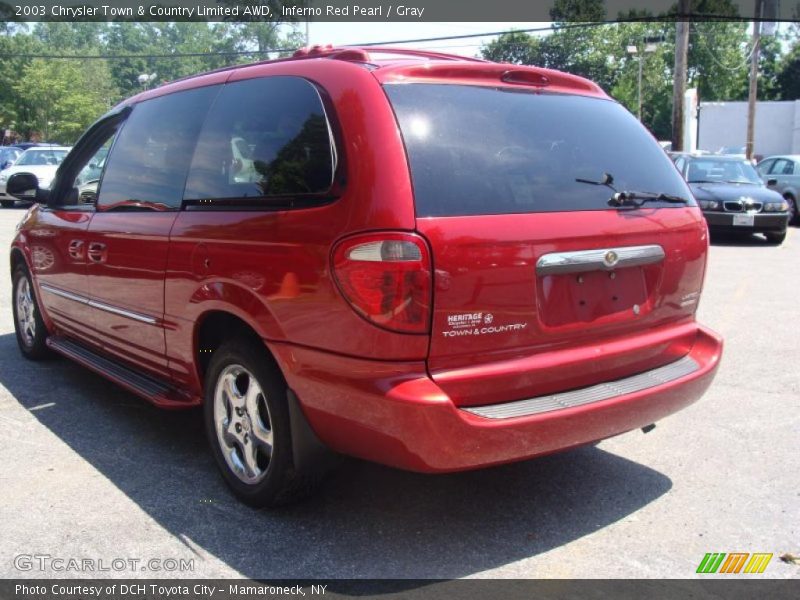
x=352, y=53
x=366, y=50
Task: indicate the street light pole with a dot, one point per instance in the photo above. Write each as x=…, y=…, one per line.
x=641, y=62
x=648, y=45
x=144, y=79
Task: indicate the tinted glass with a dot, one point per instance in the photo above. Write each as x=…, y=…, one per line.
x=721, y=171
x=8, y=154
x=42, y=157
x=148, y=164
x=780, y=166
x=480, y=150
x=263, y=137
x=764, y=167
x=87, y=180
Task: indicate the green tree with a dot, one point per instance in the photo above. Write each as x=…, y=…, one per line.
x=70, y=37
x=769, y=66
x=717, y=64
x=578, y=10
x=516, y=47
x=789, y=75
x=61, y=99
x=11, y=65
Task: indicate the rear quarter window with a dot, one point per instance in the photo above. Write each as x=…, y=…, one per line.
x=481, y=150
x=263, y=138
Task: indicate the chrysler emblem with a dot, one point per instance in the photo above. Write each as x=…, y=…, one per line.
x=610, y=259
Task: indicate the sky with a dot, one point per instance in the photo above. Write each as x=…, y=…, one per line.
x=351, y=34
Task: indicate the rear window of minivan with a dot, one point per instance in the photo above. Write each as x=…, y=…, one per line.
x=477, y=150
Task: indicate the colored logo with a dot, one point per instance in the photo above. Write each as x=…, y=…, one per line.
x=734, y=562
x=611, y=258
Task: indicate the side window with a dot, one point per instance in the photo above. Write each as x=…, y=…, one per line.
x=764, y=167
x=148, y=165
x=263, y=138
x=86, y=182
x=788, y=169
x=778, y=167
x=680, y=163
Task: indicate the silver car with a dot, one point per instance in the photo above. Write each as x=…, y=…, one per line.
x=782, y=174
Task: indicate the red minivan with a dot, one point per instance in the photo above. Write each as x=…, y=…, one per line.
x=429, y=261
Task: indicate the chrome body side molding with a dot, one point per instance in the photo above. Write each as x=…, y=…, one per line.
x=99, y=305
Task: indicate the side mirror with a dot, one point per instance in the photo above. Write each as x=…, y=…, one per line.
x=25, y=186
x=5, y=165
x=772, y=182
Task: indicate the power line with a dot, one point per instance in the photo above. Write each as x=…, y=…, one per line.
x=282, y=50
x=703, y=35
x=234, y=53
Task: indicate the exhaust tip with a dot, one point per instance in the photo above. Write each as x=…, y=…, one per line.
x=648, y=428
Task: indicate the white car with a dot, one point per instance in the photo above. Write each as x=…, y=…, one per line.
x=41, y=161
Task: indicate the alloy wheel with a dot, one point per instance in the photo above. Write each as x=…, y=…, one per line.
x=243, y=424
x=26, y=312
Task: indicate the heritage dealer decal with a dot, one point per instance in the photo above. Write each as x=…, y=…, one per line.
x=477, y=324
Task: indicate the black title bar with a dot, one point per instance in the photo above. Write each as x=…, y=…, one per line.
x=366, y=10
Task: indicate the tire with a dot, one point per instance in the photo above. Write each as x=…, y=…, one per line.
x=793, y=218
x=240, y=420
x=28, y=324
x=7, y=203
x=776, y=238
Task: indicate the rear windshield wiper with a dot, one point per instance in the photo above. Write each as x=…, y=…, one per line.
x=631, y=199
x=637, y=199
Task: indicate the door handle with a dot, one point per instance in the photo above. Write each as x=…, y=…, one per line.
x=76, y=249
x=97, y=252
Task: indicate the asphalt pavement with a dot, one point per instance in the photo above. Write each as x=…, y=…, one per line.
x=91, y=472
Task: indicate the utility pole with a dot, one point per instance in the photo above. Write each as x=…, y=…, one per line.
x=681, y=58
x=753, y=93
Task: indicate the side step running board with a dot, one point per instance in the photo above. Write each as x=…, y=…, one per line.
x=158, y=392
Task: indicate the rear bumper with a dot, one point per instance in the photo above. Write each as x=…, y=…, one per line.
x=719, y=221
x=393, y=413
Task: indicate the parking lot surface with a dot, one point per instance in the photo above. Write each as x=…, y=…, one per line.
x=91, y=472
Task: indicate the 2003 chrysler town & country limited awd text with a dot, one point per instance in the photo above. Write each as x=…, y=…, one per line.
x=432, y=262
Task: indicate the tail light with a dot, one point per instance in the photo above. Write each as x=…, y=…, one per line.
x=386, y=278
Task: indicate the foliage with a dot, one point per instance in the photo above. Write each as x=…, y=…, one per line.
x=62, y=99
x=718, y=61
x=789, y=74
x=72, y=93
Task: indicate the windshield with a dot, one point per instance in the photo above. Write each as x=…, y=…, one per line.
x=709, y=170
x=480, y=150
x=41, y=157
x=9, y=154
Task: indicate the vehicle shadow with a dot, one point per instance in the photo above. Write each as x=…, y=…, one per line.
x=740, y=240
x=368, y=521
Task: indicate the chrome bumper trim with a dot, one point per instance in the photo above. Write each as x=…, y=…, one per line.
x=605, y=259
x=596, y=393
